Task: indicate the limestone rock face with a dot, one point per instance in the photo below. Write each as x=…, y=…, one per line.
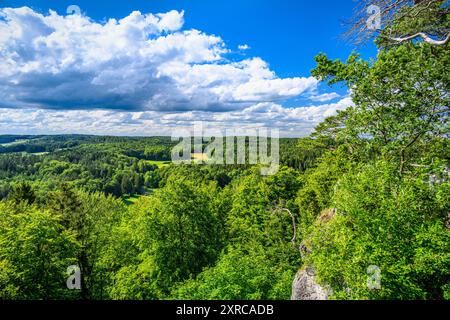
x=305, y=287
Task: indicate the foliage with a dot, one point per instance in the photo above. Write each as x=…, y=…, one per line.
x=401, y=100
x=370, y=187
x=395, y=224
x=240, y=274
x=35, y=252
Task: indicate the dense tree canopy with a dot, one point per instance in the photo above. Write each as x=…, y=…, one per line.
x=368, y=191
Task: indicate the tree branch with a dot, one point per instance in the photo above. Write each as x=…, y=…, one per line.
x=425, y=37
x=294, y=224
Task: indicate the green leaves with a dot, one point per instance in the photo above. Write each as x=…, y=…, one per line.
x=179, y=235
x=35, y=252
x=395, y=224
x=431, y=18
x=241, y=273
x=401, y=100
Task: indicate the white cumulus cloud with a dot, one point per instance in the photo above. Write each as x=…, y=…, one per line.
x=140, y=62
x=243, y=47
x=324, y=97
x=140, y=75
x=290, y=121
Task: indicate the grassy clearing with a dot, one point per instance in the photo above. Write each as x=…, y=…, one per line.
x=198, y=157
x=159, y=164
x=13, y=143
x=130, y=200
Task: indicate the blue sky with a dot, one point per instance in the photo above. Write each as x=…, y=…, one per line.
x=247, y=63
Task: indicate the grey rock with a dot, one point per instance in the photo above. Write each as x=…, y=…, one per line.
x=305, y=287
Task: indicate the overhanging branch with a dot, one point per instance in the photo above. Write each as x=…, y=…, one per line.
x=424, y=36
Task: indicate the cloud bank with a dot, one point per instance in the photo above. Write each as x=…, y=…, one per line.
x=140, y=75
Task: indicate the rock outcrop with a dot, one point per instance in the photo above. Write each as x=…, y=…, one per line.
x=305, y=287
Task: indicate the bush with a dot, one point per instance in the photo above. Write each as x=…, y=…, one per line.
x=394, y=223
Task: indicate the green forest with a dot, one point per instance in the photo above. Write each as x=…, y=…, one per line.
x=370, y=187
